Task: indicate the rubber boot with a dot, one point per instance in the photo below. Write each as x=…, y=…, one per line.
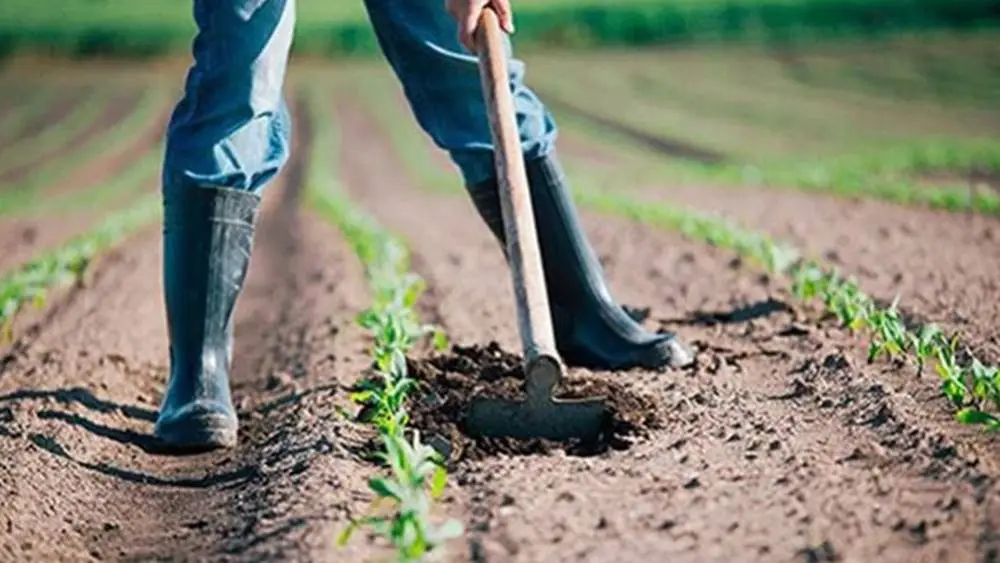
x=208, y=239
x=591, y=330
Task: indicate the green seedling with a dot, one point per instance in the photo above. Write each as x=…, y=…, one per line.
x=924, y=344
x=985, y=384
x=417, y=477
x=889, y=335
x=952, y=374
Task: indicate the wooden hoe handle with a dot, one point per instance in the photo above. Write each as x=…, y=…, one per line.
x=534, y=320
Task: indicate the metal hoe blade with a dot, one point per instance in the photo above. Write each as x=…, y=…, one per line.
x=541, y=415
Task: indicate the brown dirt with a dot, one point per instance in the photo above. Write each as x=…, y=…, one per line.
x=448, y=383
x=781, y=444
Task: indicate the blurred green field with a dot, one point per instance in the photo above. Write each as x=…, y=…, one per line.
x=327, y=27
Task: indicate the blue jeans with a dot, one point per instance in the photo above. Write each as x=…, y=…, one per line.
x=232, y=126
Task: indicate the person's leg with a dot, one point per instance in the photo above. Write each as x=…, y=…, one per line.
x=227, y=138
x=442, y=84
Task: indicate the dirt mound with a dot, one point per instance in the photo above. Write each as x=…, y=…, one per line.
x=448, y=383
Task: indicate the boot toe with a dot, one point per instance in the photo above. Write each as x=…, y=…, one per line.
x=669, y=351
x=199, y=425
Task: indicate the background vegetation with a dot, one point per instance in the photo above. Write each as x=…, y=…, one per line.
x=142, y=28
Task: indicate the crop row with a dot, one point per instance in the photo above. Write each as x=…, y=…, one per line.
x=20, y=117
x=120, y=27
x=734, y=140
x=759, y=103
x=417, y=474
x=972, y=386
x=84, y=113
x=29, y=194
x=889, y=174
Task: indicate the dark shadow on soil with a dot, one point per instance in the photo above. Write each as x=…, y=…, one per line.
x=747, y=313
x=744, y=314
x=673, y=148
x=237, y=477
x=81, y=396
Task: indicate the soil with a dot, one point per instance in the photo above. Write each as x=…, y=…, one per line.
x=448, y=383
x=781, y=443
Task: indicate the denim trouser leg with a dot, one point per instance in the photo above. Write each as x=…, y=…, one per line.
x=232, y=127
x=440, y=79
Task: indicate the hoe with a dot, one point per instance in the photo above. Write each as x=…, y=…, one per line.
x=541, y=415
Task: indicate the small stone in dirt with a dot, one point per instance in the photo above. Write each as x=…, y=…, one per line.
x=692, y=483
x=506, y=500
x=602, y=523
x=667, y=524
x=109, y=526
x=566, y=496
x=823, y=553
x=918, y=532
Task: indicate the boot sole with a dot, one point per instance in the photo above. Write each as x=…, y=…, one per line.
x=197, y=433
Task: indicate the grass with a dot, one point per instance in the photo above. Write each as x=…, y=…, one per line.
x=32, y=283
x=417, y=475
x=972, y=386
x=29, y=194
x=157, y=27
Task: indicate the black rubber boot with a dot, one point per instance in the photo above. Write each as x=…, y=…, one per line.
x=591, y=330
x=207, y=242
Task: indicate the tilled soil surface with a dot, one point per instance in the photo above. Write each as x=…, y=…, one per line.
x=780, y=444
x=80, y=474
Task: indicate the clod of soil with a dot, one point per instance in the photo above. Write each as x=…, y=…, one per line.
x=448, y=382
